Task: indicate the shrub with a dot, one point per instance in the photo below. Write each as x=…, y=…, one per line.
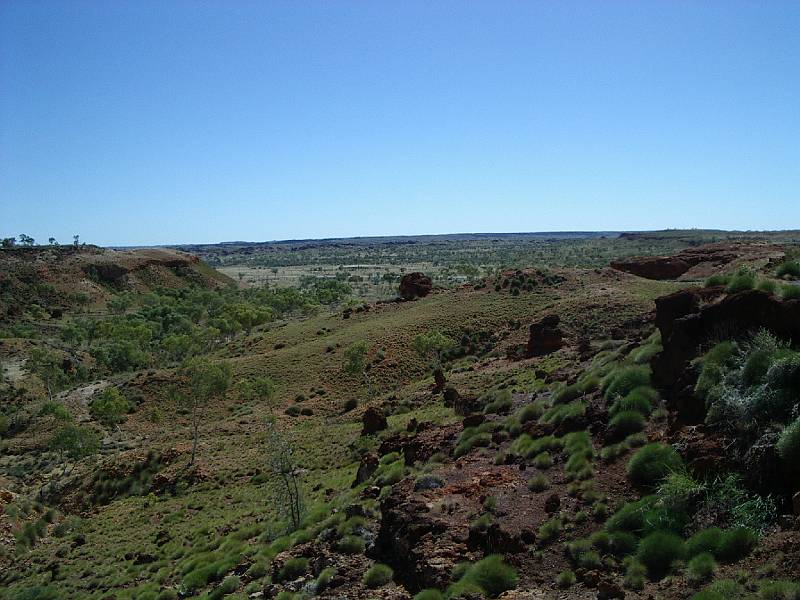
x=707, y=540
x=530, y=412
x=724, y=589
x=566, y=393
x=625, y=423
x=634, y=574
x=788, y=269
x=566, y=579
x=790, y=292
x=779, y=590
x=549, y=530
x=498, y=402
x=543, y=461
x=744, y=279
x=788, y=446
x=621, y=543
x=228, y=586
x=767, y=285
x=324, y=578
x=491, y=575
x=292, y=569
x=109, y=407
x=429, y=594
x=713, y=366
x=564, y=412
x=650, y=464
x=378, y=575
x=736, y=543
x=640, y=399
x=701, y=567
x=717, y=279
x=471, y=438
x=625, y=380
x=658, y=551
x=538, y=483
x=351, y=544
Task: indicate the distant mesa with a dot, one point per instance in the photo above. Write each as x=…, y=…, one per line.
x=415, y=285
x=697, y=263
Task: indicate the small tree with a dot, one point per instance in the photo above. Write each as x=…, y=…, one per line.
x=53, y=241
x=110, y=407
x=282, y=466
x=26, y=240
x=355, y=362
x=47, y=366
x=76, y=240
x=9, y=242
x=432, y=347
x=207, y=381
x=75, y=442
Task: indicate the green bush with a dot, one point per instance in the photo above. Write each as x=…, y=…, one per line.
x=324, y=579
x=707, y=540
x=471, y=438
x=549, y=530
x=109, y=407
x=658, y=551
x=789, y=269
x=429, y=594
x=701, y=567
x=351, y=544
x=560, y=413
x=634, y=574
x=790, y=292
x=530, y=412
x=717, y=279
x=626, y=423
x=744, y=279
x=543, y=461
x=788, y=447
x=292, y=569
x=713, y=366
x=767, y=285
x=640, y=399
x=492, y=575
x=624, y=380
x=566, y=579
x=779, y=590
x=566, y=393
x=736, y=543
x=378, y=575
x=724, y=589
x=650, y=464
x=497, y=402
x=538, y=483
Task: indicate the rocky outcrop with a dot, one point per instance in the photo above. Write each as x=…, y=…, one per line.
x=698, y=262
x=545, y=337
x=691, y=319
x=415, y=285
x=373, y=420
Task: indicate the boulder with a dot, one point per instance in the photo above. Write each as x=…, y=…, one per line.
x=367, y=466
x=545, y=337
x=373, y=420
x=415, y=285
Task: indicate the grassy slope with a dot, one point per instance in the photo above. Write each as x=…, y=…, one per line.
x=231, y=445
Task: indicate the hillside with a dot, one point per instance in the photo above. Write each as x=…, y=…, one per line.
x=576, y=448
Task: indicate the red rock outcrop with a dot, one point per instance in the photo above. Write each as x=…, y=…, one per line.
x=415, y=285
x=545, y=337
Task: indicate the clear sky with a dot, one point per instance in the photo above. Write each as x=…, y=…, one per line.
x=154, y=122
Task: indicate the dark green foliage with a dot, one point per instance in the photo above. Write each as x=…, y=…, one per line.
x=790, y=292
x=110, y=407
x=717, y=279
x=292, y=569
x=650, y=464
x=351, y=544
x=491, y=575
x=471, y=437
x=701, y=567
x=378, y=575
x=658, y=551
x=626, y=423
x=707, y=540
x=736, y=543
x=543, y=461
x=724, y=589
x=789, y=270
x=624, y=380
x=538, y=483
x=634, y=574
x=640, y=400
x=497, y=402
x=743, y=280
x=779, y=590
x=566, y=393
x=788, y=448
x=549, y=530
x=566, y=579
x=429, y=594
x=561, y=413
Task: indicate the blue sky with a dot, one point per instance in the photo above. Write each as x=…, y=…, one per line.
x=163, y=122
